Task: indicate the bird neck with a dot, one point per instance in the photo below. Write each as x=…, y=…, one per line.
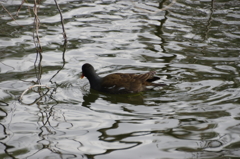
x=95, y=81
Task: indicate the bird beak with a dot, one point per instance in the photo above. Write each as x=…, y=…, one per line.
x=82, y=76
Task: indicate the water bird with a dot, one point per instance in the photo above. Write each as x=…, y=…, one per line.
x=119, y=83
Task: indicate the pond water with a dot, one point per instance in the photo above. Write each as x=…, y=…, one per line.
x=193, y=45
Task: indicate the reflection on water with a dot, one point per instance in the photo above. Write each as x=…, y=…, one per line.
x=193, y=47
x=135, y=99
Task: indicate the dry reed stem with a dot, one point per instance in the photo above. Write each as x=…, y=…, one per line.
x=63, y=58
x=37, y=25
x=64, y=33
x=9, y=14
x=20, y=98
x=20, y=7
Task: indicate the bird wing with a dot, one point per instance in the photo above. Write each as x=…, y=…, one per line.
x=144, y=77
x=120, y=82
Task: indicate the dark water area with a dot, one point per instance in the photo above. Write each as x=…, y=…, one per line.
x=194, y=46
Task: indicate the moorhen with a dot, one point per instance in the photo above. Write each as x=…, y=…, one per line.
x=119, y=83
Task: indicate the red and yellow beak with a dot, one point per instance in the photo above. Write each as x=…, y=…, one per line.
x=82, y=76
